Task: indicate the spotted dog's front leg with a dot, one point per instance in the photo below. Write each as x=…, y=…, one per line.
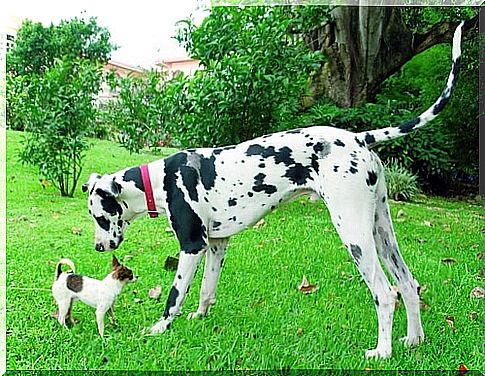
x=214, y=259
x=183, y=278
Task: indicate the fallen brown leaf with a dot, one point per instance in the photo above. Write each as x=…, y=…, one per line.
x=76, y=230
x=448, y=260
x=306, y=288
x=155, y=292
x=447, y=228
x=478, y=292
x=423, y=306
x=259, y=224
x=473, y=316
x=299, y=332
x=479, y=255
x=450, y=320
x=171, y=263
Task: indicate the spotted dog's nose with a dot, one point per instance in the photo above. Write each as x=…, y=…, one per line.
x=99, y=247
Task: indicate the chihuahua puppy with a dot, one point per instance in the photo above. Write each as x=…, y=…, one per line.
x=69, y=287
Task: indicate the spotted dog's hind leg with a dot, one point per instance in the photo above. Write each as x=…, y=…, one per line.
x=352, y=208
x=186, y=269
x=388, y=251
x=214, y=259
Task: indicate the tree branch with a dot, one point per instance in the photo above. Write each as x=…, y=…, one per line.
x=440, y=33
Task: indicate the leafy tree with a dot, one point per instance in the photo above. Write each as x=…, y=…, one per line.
x=53, y=77
x=255, y=73
x=37, y=47
x=58, y=114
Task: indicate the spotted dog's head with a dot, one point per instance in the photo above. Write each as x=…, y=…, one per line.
x=111, y=214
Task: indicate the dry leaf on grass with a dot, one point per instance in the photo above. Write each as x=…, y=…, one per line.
x=307, y=288
x=76, y=230
x=260, y=223
x=450, y=320
x=155, y=292
x=171, y=263
x=478, y=292
x=299, y=332
x=448, y=260
x=473, y=316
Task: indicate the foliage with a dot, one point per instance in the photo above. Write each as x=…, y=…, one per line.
x=402, y=185
x=52, y=80
x=57, y=113
x=138, y=111
x=254, y=74
x=37, y=47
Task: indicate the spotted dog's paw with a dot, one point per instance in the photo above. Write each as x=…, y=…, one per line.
x=158, y=328
x=414, y=340
x=378, y=354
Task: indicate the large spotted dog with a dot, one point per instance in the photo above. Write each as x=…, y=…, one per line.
x=210, y=195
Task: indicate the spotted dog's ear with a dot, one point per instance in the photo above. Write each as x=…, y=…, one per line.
x=108, y=186
x=93, y=178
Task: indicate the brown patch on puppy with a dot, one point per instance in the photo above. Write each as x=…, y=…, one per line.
x=74, y=282
x=122, y=273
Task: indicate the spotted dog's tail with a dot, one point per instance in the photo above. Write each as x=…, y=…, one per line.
x=384, y=134
x=63, y=261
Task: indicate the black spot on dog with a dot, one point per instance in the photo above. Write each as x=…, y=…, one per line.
x=298, y=174
x=179, y=276
x=282, y=155
x=335, y=168
x=353, y=170
x=386, y=132
x=102, y=222
x=356, y=252
x=394, y=260
x=214, y=209
x=171, y=301
x=369, y=139
x=339, y=143
x=261, y=165
x=232, y=202
x=372, y=178
x=353, y=163
x=408, y=126
x=216, y=224
x=112, y=244
x=322, y=149
x=134, y=174
x=190, y=179
x=260, y=186
x=250, y=194
x=315, y=165
x=186, y=223
x=308, y=144
x=359, y=142
x=74, y=282
x=376, y=301
x=207, y=172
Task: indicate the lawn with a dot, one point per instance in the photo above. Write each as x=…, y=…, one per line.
x=261, y=320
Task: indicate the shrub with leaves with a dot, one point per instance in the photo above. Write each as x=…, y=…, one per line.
x=402, y=185
x=57, y=114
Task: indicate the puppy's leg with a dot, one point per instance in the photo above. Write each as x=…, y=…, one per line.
x=63, y=304
x=186, y=269
x=100, y=312
x=69, y=313
x=352, y=213
x=111, y=314
x=214, y=259
x=389, y=253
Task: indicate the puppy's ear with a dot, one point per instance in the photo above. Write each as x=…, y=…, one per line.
x=116, y=263
x=93, y=178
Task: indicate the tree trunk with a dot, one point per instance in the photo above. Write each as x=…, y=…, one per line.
x=366, y=45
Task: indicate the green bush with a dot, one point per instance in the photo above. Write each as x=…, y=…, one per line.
x=57, y=114
x=402, y=185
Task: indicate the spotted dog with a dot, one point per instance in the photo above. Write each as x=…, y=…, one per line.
x=211, y=194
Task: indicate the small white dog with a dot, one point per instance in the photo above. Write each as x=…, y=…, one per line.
x=101, y=295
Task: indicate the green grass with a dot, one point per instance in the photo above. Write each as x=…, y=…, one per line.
x=261, y=320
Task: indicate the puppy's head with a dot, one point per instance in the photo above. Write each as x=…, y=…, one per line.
x=122, y=273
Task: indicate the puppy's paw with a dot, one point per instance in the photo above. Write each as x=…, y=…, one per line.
x=378, y=354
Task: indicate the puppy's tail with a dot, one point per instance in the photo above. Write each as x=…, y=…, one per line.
x=372, y=137
x=63, y=261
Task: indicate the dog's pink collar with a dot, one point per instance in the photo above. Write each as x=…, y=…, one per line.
x=147, y=185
